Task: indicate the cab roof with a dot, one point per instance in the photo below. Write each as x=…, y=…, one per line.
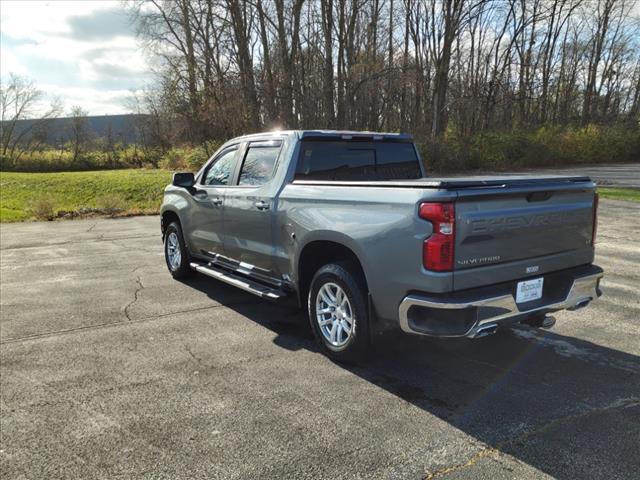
x=329, y=134
x=349, y=134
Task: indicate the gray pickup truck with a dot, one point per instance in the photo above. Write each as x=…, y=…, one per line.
x=347, y=225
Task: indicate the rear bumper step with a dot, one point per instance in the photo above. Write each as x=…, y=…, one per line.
x=248, y=285
x=472, y=318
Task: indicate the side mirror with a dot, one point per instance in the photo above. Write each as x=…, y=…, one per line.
x=183, y=179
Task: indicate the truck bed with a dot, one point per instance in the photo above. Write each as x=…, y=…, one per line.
x=507, y=227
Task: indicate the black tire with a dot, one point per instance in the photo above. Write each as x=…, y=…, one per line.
x=182, y=269
x=349, y=279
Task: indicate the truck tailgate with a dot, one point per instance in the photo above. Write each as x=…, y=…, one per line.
x=522, y=230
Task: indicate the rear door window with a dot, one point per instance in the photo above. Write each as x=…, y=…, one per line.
x=357, y=160
x=259, y=163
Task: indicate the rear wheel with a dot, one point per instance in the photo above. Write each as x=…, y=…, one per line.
x=175, y=252
x=338, y=312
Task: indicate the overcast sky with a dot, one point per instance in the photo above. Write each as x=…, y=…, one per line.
x=84, y=52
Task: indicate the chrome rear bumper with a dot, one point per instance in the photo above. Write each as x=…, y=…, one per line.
x=500, y=309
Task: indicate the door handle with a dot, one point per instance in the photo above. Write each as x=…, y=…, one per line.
x=217, y=201
x=262, y=205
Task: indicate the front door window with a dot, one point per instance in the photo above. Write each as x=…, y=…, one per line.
x=221, y=170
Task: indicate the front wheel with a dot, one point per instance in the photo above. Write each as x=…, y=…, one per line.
x=338, y=312
x=175, y=252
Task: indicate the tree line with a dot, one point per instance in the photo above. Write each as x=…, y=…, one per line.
x=482, y=84
x=33, y=137
x=429, y=67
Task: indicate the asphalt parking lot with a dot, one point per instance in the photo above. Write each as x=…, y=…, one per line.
x=110, y=369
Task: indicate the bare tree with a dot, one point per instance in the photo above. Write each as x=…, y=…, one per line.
x=79, y=132
x=427, y=66
x=446, y=17
x=19, y=99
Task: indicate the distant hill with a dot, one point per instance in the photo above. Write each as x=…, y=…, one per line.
x=121, y=127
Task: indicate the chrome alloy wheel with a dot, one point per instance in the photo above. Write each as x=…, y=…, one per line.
x=334, y=314
x=174, y=255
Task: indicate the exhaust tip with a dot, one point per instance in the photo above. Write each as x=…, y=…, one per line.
x=540, y=321
x=580, y=304
x=486, y=330
x=548, y=322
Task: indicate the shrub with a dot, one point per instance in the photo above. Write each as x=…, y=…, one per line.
x=186, y=157
x=134, y=156
x=61, y=160
x=173, y=159
x=501, y=150
x=42, y=208
x=543, y=147
x=196, y=158
x=111, y=203
x=5, y=163
x=211, y=147
x=442, y=155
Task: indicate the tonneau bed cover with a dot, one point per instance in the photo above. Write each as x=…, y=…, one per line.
x=457, y=183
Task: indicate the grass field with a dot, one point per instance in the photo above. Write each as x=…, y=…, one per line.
x=630, y=194
x=134, y=191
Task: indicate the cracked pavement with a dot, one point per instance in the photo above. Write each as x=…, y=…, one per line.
x=111, y=369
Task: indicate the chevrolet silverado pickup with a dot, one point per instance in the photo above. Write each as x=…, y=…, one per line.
x=348, y=226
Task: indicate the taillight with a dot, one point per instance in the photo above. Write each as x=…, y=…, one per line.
x=594, y=230
x=437, y=250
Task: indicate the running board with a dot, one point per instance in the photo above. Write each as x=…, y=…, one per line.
x=258, y=289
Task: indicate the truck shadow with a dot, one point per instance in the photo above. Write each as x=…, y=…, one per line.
x=567, y=407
